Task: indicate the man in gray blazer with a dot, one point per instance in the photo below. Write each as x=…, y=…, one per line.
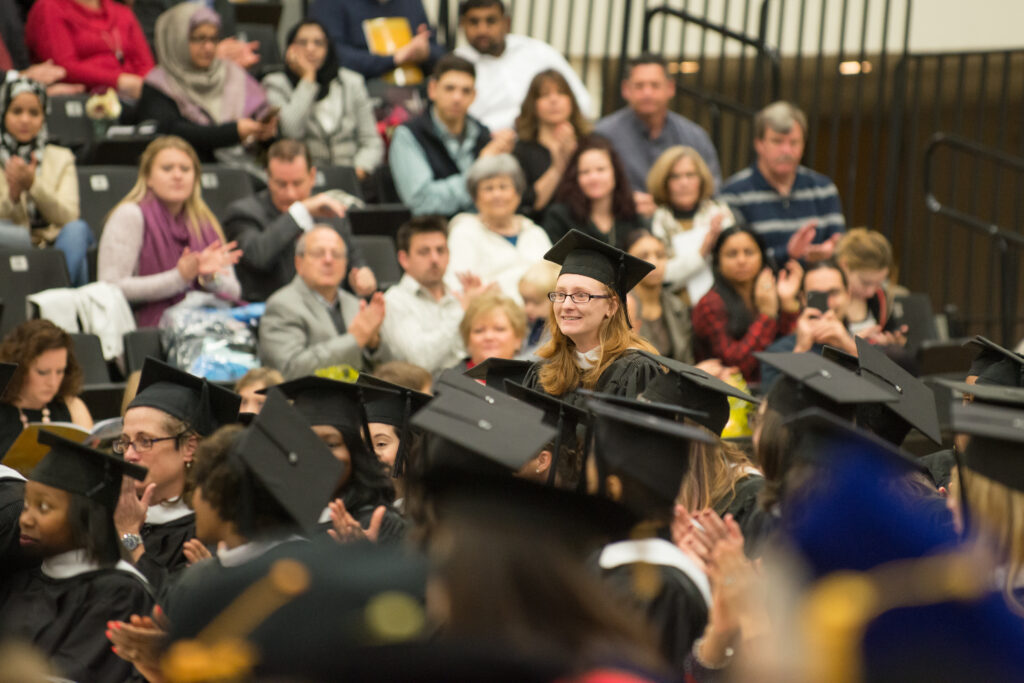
x=311, y=322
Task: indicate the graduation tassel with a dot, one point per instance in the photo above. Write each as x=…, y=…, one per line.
x=553, y=469
x=403, y=440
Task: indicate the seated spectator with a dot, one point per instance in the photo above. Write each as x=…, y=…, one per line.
x=645, y=128
x=549, y=126
x=664, y=318
x=14, y=57
x=506, y=64
x=344, y=20
x=866, y=258
x=311, y=322
x=431, y=154
x=823, y=283
x=39, y=200
x=495, y=245
x=537, y=281
x=746, y=309
x=594, y=196
x=422, y=326
x=795, y=210
x=687, y=218
x=162, y=241
x=251, y=385
x=230, y=48
x=45, y=386
x=213, y=104
x=324, y=105
x=267, y=225
x=97, y=42
x=494, y=327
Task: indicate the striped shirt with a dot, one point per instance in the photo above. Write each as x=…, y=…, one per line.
x=776, y=217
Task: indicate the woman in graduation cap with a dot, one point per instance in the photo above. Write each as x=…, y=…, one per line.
x=62, y=606
x=592, y=343
x=161, y=430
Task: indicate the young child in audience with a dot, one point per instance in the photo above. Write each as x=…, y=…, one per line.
x=537, y=281
x=250, y=386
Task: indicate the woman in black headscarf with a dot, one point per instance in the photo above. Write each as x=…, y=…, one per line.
x=324, y=105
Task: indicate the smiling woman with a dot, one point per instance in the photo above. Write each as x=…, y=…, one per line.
x=44, y=388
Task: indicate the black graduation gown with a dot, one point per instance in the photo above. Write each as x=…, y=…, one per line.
x=627, y=376
x=743, y=504
x=164, y=558
x=12, y=497
x=66, y=619
x=678, y=611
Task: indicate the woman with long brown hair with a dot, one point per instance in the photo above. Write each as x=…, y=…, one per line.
x=45, y=385
x=594, y=195
x=162, y=241
x=549, y=127
x=592, y=344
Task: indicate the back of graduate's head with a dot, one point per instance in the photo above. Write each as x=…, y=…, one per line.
x=92, y=530
x=231, y=492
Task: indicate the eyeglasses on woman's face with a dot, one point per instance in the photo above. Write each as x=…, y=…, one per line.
x=141, y=443
x=577, y=297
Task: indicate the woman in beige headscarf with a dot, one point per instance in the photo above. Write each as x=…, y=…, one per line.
x=212, y=103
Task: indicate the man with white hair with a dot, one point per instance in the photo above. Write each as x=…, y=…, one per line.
x=795, y=209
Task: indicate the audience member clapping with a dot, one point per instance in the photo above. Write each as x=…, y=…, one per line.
x=594, y=195
x=162, y=241
x=45, y=386
x=39, y=200
x=98, y=43
x=687, y=218
x=495, y=244
x=323, y=104
x=213, y=104
x=746, y=309
x=549, y=127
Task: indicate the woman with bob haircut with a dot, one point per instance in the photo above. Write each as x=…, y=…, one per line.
x=687, y=218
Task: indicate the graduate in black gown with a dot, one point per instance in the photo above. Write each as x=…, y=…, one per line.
x=161, y=430
x=62, y=607
x=592, y=345
x=336, y=412
x=12, y=494
x=640, y=460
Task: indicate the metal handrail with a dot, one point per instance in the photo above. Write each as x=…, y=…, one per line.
x=1002, y=238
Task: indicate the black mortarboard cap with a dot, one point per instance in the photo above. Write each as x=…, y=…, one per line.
x=324, y=401
x=581, y=254
x=492, y=434
x=201, y=405
x=696, y=389
x=847, y=360
x=996, y=364
x=667, y=411
x=289, y=460
x=819, y=382
x=989, y=394
x=651, y=450
x=996, y=448
x=75, y=468
x=821, y=437
x=494, y=371
x=915, y=404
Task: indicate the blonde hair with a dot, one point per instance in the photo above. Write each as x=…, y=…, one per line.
x=864, y=249
x=561, y=374
x=542, y=276
x=657, y=177
x=715, y=469
x=488, y=303
x=196, y=210
x=996, y=513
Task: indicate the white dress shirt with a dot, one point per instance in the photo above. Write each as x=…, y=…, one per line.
x=420, y=329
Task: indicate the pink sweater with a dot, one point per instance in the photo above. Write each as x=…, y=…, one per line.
x=94, y=46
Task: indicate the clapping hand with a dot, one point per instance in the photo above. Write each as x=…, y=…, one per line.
x=790, y=279
x=242, y=54
x=141, y=641
x=362, y=281
x=216, y=257
x=20, y=175
x=347, y=528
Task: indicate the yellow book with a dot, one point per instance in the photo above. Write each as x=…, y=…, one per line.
x=26, y=451
x=384, y=36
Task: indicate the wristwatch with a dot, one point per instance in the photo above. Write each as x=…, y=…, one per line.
x=131, y=541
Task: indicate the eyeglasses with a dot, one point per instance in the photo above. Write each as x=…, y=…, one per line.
x=336, y=254
x=577, y=297
x=141, y=443
x=199, y=40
